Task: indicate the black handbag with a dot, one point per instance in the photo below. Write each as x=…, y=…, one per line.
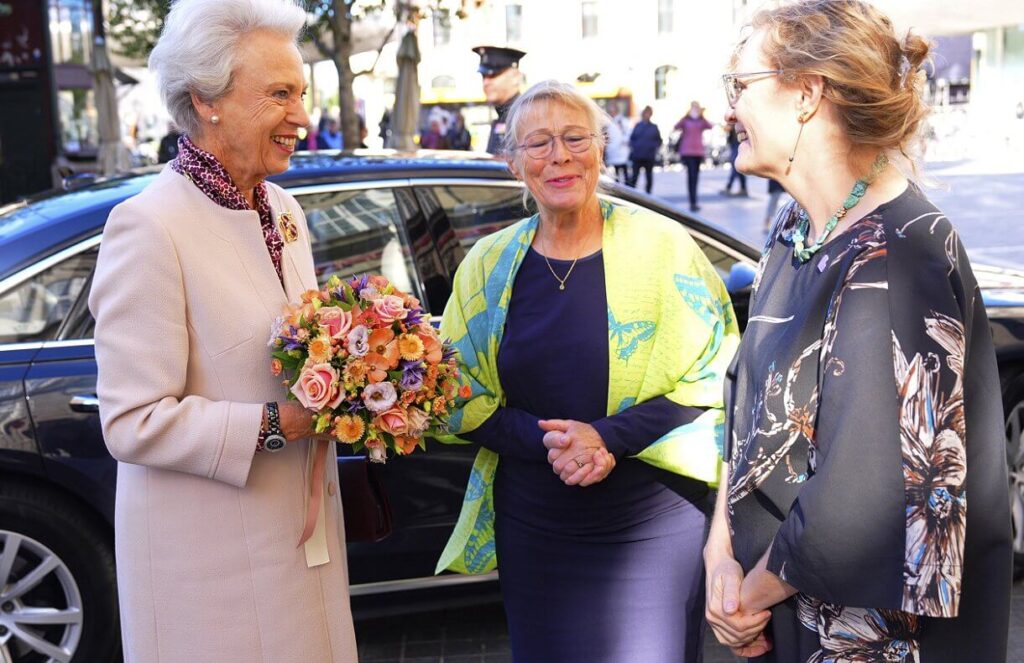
x=364, y=500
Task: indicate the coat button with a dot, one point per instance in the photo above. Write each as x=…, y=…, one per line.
x=331, y=489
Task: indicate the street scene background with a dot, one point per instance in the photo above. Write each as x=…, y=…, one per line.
x=77, y=102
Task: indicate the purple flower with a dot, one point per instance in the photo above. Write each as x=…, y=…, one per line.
x=412, y=377
x=358, y=341
x=414, y=317
x=379, y=397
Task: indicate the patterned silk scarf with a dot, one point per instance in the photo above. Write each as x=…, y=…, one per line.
x=206, y=172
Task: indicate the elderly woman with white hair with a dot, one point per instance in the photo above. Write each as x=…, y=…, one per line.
x=214, y=486
x=595, y=339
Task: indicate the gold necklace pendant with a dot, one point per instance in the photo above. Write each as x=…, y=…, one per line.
x=561, y=281
x=289, y=229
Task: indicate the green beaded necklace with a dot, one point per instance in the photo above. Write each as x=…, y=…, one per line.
x=803, y=222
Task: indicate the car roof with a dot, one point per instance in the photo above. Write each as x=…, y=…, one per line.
x=57, y=218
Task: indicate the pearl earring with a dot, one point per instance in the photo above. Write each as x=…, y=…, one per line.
x=215, y=119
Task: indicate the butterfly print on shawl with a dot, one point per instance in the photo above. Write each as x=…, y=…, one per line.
x=627, y=336
x=934, y=468
x=859, y=635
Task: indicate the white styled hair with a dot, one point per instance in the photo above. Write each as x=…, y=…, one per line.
x=196, y=51
x=557, y=92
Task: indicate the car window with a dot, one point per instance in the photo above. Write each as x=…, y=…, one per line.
x=34, y=309
x=475, y=211
x=359, y=232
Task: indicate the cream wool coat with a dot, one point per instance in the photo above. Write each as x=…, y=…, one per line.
x=206, y=529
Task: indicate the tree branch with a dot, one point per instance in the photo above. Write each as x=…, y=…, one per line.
x=314, y=37
x=379, y=52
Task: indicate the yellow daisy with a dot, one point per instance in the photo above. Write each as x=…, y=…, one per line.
x=410, y=347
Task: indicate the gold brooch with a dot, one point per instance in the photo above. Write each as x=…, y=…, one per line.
x=289, y=229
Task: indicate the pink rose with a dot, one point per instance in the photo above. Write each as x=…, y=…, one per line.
x=418, y=421
x=389, y=308
x=394, y=421
x=337, y=321
x=317, y=387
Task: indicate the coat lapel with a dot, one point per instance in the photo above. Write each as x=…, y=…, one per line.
x=296, y=258
x=241, y=229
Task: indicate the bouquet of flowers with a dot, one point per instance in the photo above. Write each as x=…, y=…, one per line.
x=363, y=357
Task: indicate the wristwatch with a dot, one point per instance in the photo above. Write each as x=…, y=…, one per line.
x=272, y=439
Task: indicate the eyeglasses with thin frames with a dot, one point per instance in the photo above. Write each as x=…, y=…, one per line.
x=734, y=87
x=542, y=144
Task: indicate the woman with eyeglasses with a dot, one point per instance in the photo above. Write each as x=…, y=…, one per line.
x=594, y=339
x=866, y=511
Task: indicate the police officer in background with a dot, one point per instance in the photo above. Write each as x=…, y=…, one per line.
x=500, y=70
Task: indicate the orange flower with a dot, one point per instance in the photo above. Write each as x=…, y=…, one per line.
x=348, y=428
x=465, y=391
x=355, y=372
x=406, y=445
x=320, y=349
x=276, y=367
x=308, y=296
x=384, y=353
x=410, y=347
x=439, y=405
x=431, y=348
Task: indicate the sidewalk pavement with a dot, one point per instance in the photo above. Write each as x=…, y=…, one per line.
x=986, y=208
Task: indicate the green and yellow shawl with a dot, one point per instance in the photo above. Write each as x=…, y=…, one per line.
x=671, y=332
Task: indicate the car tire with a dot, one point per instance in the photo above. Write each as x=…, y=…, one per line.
x=1013, y=408
x=45, y=531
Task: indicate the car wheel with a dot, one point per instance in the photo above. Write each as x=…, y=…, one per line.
x=1013, y=406
x=58, y=589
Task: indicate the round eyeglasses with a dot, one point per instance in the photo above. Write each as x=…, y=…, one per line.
x=541, y=145
x=734, y=86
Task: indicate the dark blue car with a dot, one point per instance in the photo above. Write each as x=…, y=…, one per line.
x=410, y=217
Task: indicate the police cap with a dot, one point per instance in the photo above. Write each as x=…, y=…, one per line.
x=496, y=59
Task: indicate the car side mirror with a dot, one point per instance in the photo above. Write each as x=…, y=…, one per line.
x=741, y=277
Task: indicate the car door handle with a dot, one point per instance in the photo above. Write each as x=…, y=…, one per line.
x=85, y=403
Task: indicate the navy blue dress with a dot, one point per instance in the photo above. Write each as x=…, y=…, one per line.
x=611, y=572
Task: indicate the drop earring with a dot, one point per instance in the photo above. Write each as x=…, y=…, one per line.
x=215, y=119
x=802, y=120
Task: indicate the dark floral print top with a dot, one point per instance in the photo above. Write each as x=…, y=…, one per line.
x=864, y=410
x=206, y=172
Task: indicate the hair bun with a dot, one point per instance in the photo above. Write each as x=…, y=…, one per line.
x=916, y=50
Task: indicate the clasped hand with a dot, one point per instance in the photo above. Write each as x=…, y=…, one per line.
x=576, y=452
x=736, y=628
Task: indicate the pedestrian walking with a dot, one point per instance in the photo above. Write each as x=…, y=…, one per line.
x=458, y=135
x=597, y=410
x=864, y=514
x=691, y=148
x=434, y=138
x=734, y=175
x=329, y=138
x=616, y=151
x=644, y=145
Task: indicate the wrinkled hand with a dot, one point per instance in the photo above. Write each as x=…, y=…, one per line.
x=576, y=452
x=735, y=628
x=296, y=421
